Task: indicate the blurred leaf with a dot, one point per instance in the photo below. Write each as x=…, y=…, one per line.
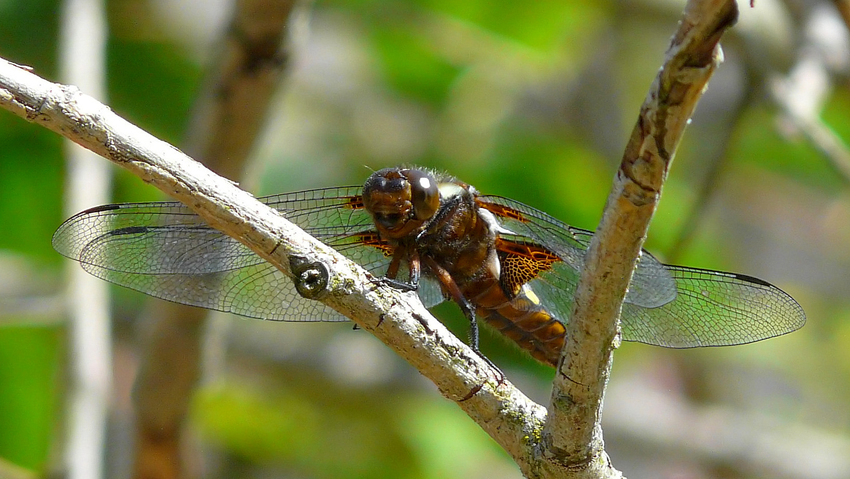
x=258, y=425
x=23, y=21
x=309, y=428
x=550, y=173
x=759, y=142
x=448, y=444
x=542, y=24
x=835, y=114
x=411, y=65
x=30, y=186
x=29, y=364
x=152, y=84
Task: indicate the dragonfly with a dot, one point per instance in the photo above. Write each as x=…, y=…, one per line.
x=503, y=262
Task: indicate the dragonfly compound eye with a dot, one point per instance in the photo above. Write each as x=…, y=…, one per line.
x=424, y=192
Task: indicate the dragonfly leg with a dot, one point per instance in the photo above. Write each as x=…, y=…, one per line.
x=468, y=310
x=473, y=341
x=398, y=284
x=392, y=271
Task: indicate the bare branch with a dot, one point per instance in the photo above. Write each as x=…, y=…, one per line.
x=398, y=319
x=573, y=432
x=567, y=443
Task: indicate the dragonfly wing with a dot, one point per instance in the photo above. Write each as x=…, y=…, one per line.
x=713, y=308
x=550, y=253
x=666, y=305
x=651, y=285
x=525, y=223
x=681, y=307
x=256, y=291
x=165, y=250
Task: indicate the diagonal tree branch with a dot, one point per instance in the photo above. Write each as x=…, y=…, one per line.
x=398, y=319
x=573, y=432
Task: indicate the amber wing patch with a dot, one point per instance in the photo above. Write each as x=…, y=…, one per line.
x=521, y=262
x=503, y=211
x=373, y=239
x=354, y=202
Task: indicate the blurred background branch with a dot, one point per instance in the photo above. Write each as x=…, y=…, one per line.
x=802, y=92
x=248, y=64
x=82, y=62
x=752, y=442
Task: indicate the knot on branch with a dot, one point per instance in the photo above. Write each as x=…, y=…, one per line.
x=310, y=277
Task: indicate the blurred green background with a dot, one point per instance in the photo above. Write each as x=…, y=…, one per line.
x=531, y=100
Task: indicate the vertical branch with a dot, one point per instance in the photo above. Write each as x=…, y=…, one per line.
x=227, y=118
x=573, y=433
x=82, y=45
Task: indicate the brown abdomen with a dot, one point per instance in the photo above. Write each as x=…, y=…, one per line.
x=524, y=321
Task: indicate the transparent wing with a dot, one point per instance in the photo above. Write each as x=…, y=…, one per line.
x=666, y=305
x=714, y=308
x=165, y=250
x=652, y=285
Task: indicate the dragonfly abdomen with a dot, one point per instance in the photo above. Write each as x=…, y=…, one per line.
x=524, y=321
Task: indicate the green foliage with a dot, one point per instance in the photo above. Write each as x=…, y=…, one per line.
x=411, y=66
x=30, y=187
x=541, y=25
x=152, y=84
x=760, y=143
x=29, y=33
x=29, y=383
x=322, y=430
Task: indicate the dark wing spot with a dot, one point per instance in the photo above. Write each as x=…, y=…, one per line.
x=130, y=230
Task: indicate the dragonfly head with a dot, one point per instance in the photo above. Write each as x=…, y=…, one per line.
x=400, y=200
